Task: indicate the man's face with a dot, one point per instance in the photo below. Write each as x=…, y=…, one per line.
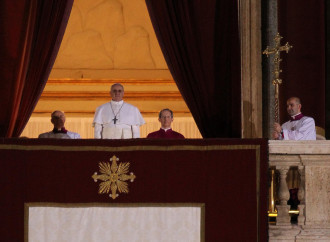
x=166, y=119
x=117, y=93
x=58, y=119
x=293, y=107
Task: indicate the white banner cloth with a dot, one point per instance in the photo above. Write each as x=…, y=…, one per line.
x=115, y=224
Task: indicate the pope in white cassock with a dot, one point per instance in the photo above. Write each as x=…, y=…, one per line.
x=117, y=119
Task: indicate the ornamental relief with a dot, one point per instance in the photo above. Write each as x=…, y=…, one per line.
x=113, y=177
x=109, y=34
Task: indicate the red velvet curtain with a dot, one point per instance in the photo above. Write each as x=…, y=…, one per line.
x=302, y=24
x=200, y=43
x=31, y=32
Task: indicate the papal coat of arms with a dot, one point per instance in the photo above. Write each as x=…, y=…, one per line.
x=113, y=177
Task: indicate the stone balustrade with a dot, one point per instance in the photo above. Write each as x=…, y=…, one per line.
x=311, y=159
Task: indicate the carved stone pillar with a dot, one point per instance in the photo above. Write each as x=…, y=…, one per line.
x=312, y=158
x=283, y=217
x=301, y=196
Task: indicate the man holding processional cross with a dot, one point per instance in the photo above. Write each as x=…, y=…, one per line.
x=299, y=127
x=117, y=119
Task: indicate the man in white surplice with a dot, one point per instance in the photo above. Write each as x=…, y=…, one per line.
x=117, y=119
x=299, y=127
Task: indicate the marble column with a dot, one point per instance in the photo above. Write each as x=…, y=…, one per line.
x=283, y=217
x=270, y=29
x=301, y=196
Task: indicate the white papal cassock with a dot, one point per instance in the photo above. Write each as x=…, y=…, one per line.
x=117, y=120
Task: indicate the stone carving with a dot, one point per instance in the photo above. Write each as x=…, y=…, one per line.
x=91, y=52
x=312, y=160
x=108, y=19
x=132, y=50
x=100, y=35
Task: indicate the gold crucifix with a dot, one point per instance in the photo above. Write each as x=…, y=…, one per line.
x=277, y=59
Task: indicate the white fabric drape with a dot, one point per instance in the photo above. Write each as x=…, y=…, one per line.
x=83, y=126
x=115, y=224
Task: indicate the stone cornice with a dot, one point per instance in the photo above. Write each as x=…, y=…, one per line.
x=93, y=95
x=135, y=82
x=284, y=160
x=299, y=147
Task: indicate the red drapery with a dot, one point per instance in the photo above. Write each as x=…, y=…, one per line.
x=229, y=176
x=302, y=24
x=31, y=32
x=200, y=43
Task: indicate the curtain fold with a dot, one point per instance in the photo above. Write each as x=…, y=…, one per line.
x=200, y=43
x=31, y=32
x=302, y=24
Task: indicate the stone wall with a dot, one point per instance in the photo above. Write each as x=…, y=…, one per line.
x=312, y=160
x=108, y=39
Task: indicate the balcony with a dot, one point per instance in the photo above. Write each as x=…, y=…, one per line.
x=307, y=165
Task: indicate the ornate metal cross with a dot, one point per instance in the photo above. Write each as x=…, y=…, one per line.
x=277, y=59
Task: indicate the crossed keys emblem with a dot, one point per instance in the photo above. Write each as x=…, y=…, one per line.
x=113, y=177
